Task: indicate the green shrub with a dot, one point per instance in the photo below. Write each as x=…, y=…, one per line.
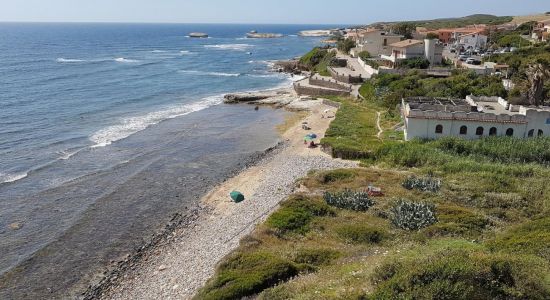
x=415, y=63
x=361, y=233
x=461, y=273
x=457, y=221
x=315, y=257
x=425, y=184
x=296, y=213
x=532, y=237
x=348, y=199
x=412, y=215
x=336, y=176
x=364, y=55
x=246, y=274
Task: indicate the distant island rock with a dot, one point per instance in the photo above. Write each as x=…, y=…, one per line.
x=198, y=35
x=255, y=35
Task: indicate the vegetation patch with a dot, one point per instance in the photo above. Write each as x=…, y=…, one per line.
x=532, y=237
x=296, y=213
x=425, y=184
x=315, y=257
x=317, y=60
x=246, y=274
x=348, y=199
x=461, y=271
x=362, y=233
x=410, y=215
x=454, y=220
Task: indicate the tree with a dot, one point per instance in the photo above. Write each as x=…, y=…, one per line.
x=536, y=73
x=404, y=28
x=432, y=36
x=364, y=55
x=345, y=45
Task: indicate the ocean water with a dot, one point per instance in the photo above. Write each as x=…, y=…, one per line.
x=107, y=130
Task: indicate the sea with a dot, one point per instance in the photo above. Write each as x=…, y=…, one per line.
x=109, y=130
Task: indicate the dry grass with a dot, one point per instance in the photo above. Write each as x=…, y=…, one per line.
x=524, y=19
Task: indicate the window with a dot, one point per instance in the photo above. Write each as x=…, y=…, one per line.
x=479, y=131
x=510, y=132
x=385, y=42
x=463, y=130
x=541, y=133
x=548, y=121
x=531, y=133
x=439, y=129
x=493, y=131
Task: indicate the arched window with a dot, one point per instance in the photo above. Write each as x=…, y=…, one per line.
x=493, y=131
x=463, y=130
x=439, y=129
x=510, y=132
x=531, y=133
x=479, y=131
x=541, y=133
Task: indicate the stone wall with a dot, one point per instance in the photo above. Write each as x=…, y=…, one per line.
x=329, y=83
x=318, y=92
x=345, y=78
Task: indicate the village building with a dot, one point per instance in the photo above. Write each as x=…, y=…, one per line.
x=376, y=42
x=472, y=118
x=407, y=49
x=472, y=41
x=541, y=31
x=451, y=35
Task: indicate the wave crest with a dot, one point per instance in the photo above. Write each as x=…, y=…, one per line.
x=204, y=73
x=133, y=125
x=237, y=47
x=125, y=60
x=69, y=60
x=8, y=178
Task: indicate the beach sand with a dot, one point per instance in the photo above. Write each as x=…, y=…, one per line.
x=178, y=267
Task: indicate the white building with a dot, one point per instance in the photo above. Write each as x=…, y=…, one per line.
x=407, y=49
x=376, y=42
x=472, y=118
x=473, y=41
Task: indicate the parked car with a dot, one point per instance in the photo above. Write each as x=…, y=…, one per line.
x=473, y=61
x=462, y=57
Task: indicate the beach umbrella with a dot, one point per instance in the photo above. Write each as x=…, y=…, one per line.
x=237, y=196
x=312, y=135
x=308, y=138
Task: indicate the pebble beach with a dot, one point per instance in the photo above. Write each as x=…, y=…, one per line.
x=180, y=265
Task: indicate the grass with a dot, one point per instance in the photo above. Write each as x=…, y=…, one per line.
x=354, y=131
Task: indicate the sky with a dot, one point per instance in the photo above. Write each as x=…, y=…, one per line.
x=257, y=11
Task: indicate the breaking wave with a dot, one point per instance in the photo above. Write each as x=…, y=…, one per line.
x=236, y=47
x=129, y=126
x=8, y=178
x=204, y=73
x=125, y=60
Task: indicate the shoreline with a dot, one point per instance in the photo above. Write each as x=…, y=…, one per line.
x=151, y=271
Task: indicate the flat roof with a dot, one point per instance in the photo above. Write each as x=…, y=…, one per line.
x=406, y=43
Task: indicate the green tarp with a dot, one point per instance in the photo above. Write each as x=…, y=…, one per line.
x=237, y=196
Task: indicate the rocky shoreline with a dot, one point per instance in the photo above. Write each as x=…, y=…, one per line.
x=178, y=222
x=186, y=254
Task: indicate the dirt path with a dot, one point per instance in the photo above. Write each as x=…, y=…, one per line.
x=380, y=130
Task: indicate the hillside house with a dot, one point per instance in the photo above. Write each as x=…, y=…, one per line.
x=376, y=42
x=408, y=49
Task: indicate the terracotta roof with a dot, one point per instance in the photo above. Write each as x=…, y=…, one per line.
x=406, y=43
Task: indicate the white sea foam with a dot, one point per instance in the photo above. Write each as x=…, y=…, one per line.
x=129, y=126
x=8, y=178
x=69, y=60
x=159, y=51
x=204, y=73
x=183, y=52
x=236, y=47
x=125, y=60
